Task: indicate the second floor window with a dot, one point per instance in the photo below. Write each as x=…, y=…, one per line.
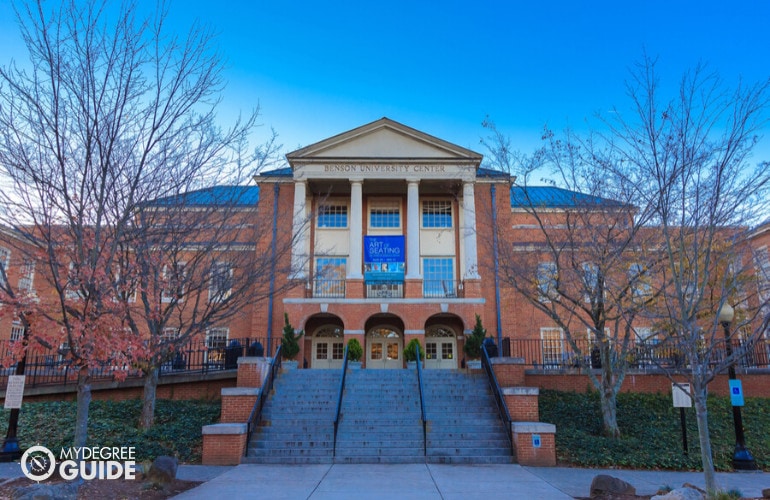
x=221, y=281
x=437, y=214
x=333, y=216
x=173, y=280
x=385, y=216
x=26, y=277
x=546, y=281
x=5, y=257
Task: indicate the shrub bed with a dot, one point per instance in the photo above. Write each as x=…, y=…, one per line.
x=177, y=429
x=651, y=431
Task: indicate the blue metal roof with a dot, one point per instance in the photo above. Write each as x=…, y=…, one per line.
x=490, y=172
x=278, y=172
x=553, y=197
x=216, y=195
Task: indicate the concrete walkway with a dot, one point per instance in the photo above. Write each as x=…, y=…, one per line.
x=485, y=482
x=420, y=481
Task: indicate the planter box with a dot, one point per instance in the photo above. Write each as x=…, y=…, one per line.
x=354, y=365
x=289, y=365
x=474, y=364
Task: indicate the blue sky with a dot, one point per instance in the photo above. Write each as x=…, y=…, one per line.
x=321, y=68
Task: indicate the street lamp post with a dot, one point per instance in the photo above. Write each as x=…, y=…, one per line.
x=742, y=459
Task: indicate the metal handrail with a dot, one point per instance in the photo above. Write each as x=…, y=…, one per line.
x=339, y=399
x=267, y=386
x=505, y=416
x=422, y=405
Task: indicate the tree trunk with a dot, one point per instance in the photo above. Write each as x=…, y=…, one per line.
x=84, y=401
x=608, y=398
x=148, y=398
x=701, y=412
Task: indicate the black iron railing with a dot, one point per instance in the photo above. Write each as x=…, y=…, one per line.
x=439, y=289
x=267, y=387
x=423, y=417
x=324, y=288
x=339, y=399
x=384, y=289
x=50, y=367
x=556, y=354
x=505, y=416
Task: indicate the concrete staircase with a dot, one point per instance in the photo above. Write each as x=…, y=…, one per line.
x=464, y=423
x=297, y=420
x=380, y=419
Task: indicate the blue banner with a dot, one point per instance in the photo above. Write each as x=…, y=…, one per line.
x=384, y=258
x=383, y=249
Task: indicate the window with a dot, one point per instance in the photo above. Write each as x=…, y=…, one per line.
x=72, y=288
x=385, y=215
x=26, y=277
x=762, y=266
x=330, y=277
x=5, y=258
x=438, y=274
x=640, y=283
x=552, y=346
x=591, y=281
x=221, y=281
x=17, y=331
x=174, y=277
x=333, y=216
x=547, y=281
x=436, y=214
x=169, y=335
x=216, y=341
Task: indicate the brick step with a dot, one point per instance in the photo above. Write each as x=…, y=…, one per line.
x=381, y=459
x=289, y=452
x=288, y=444
x=381, y=452
x=344, y=444
x=469, y=460
x=469, y=452
x=287, y=460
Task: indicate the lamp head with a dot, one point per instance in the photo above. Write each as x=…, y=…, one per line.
x=726, y=313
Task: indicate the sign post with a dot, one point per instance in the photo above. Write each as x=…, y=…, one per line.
x=682, y=400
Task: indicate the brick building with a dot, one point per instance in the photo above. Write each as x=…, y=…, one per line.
x=393, y=238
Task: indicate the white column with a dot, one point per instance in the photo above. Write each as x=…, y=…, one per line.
x=356, y=229
x=413, y=229
x=469, y=231
x=300, y=251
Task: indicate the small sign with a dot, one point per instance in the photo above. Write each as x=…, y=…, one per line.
x=736, y=393
x=681, y=393
x=536, y=440
x=15, y=391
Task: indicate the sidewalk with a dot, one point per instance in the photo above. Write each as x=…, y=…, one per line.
x=421, y=481
x=484, y=482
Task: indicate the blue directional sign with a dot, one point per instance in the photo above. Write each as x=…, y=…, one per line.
x=536, y=440
x=736, y=393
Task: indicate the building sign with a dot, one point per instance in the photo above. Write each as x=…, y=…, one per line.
x=384, y=258
x=736, y=393
x=681, y=393
x=14, y=393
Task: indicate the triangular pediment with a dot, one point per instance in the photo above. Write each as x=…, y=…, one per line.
x=384, y=139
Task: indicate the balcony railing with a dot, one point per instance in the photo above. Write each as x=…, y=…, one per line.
x=384, y=289
x=439, y=289
x=325, y=288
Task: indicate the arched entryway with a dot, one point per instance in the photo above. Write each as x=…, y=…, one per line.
x=441, y=333
x=328, y=344
x=384, y=342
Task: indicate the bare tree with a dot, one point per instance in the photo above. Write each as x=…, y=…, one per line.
x=197, y=260
x=688, y=157
x=581, y=259
x=110, y=112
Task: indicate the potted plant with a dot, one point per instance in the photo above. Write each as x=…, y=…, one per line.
x=472, y=347
x=410, y=353
x=290, y=344
x=355, y=352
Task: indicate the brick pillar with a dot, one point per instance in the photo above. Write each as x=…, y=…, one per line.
x=521, y=403
x=237, y=404
x=224, y=444
x=252, y=371
x=509, y=371
x=534, y=443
